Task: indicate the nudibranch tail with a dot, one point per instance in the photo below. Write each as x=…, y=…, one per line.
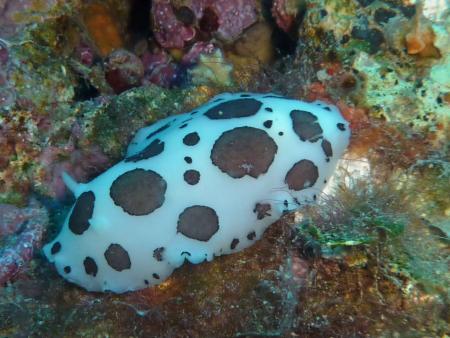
x=75, y=187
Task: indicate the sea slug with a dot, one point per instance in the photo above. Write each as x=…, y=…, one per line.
x=197, y=185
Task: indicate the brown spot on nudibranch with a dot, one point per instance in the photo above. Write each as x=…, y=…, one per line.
x=56, y=247
x=90, y=266
x=156, y=147
x=139, y=191
x=191, y=139
x=82, y=213
x=267, y=124
x=234, y=243
x=306, y=126
x=262, y=210
x=198, y=222
x=160, y=129
x=191, y=177
x=117, y=257
x=244, y=151
x=157, y=254
x=326, y=147
x=234, y=109
x=251, y=236
x=302, y=175
x=341, y=126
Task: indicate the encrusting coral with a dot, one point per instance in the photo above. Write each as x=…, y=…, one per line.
x=371, y=259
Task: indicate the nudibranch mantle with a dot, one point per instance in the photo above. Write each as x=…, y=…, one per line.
x=197, y=185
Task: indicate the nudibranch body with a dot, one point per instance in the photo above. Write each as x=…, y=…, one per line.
x=195, y=186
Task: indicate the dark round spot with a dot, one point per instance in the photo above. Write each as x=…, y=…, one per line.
x=191, y=139
x=234, y=243
x=234, y=109
x=198, y=222
x=327, y=108
x=326, y=147
x=117, y=257
x=302, y=175
x=155, y=275
x=188, y=159
x=267, y=123
x=160, y=129
x=268, y=109
x=56, y=247
x=281, y=133
x=184, y=14
x=90, y=266
x=191, y=177
x=146, y=282
x=156, y=147
x=244, y=151
x=382, y=15
x=82, y=212
x=341, y=126
x=374, y=37
x=262, y=210
x=158, y=254
x=209, y=22
x=251, y=236
x=183, y=126
x=139, y=191
x=67, y=269
x=306, y=126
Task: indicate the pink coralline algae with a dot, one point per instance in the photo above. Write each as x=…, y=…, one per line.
x=158, y=69
x=26, y=226
x=80, y=164
x=198, y=48
x=283, y=16
x=225, y=19
x=161, y=69
x=233, y=17
x=85, y=54
x=123, y=70
x=168, y=30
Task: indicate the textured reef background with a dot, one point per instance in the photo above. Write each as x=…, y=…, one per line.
x=77, y=78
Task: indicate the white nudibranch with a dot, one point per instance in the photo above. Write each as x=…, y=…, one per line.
x=197, y=185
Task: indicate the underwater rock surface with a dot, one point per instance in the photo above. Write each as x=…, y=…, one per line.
x=370, y=259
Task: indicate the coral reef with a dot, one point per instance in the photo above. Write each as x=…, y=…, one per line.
x=123, y=70
x=21, y=234
x=174, y=26
x=285, y=13
x=370, y=260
